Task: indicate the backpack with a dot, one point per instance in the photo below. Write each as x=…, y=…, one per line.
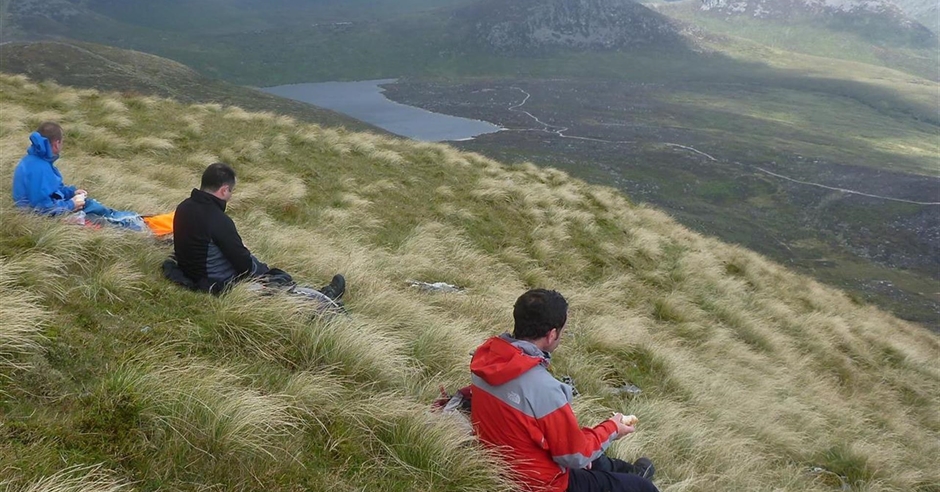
x=457, y=405
x=459, y=401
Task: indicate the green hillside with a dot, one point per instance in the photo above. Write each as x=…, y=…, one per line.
x=752, y=378
x=800, y=99
x=94, y=66
x=247, y=42
x=287, y=41
x=870, y=42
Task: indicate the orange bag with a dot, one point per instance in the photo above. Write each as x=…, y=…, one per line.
x=160, y=225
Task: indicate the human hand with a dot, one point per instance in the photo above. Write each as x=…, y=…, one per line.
x=622, y=428
x=78, y=201
x=81, y=192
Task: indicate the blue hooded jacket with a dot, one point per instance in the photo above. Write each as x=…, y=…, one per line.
x=37, y=184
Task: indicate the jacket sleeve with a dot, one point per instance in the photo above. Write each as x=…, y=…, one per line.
x=230, y=243
x=38, y=191
x=45, y=202
x=67, y=192
x=571, y=446
x=54, y=206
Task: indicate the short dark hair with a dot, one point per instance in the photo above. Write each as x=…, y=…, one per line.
x=216, y=175
x=537, y=312
x=51, y=130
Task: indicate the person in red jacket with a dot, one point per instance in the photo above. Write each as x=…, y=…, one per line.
x=520, y=409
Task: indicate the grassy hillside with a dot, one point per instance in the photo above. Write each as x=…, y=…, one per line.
x=832, y=122
x=244, y=15
x=819, y=120
x=90, y=65
x=250, y=42
x=753, y=378
x=196, y=18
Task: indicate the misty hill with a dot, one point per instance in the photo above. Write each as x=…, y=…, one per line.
x=880, y=36
x=879, y=20
x=255, y=42
x=927, y=12
x=537, y=26
x=752, y=377
x=198, y=17
x=285, y=41
x=101, y=67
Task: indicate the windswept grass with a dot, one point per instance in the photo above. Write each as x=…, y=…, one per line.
x=21, y=318
x=75, y=479
x=751, y=377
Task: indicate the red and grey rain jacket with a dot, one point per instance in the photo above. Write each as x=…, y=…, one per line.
x=520, y=408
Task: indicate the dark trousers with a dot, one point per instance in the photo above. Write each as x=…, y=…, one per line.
x=601, y=481
x=609, y=475
x=608, y=464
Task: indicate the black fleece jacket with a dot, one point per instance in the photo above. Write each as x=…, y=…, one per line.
x=207, y=245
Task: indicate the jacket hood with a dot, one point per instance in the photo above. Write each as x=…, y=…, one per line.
x=41, y=147
x=502, y=359
x=204, y=197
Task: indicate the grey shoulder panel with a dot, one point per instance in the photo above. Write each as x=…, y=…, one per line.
x=535, y=393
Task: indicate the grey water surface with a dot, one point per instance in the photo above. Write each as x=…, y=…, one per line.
x=364, y=101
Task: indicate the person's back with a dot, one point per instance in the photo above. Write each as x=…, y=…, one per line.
x=37, y=183
x=519, y=409
x=209, y=254
x=519, y=405
x=206, y=243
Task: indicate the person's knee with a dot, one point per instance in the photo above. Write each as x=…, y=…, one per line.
x=635, y=483
x=602, y=463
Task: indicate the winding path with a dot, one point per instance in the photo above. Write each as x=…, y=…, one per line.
x=844, y=190
x=555, y=130
x=559, y=131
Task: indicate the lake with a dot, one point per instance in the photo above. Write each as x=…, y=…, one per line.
x=364, y=101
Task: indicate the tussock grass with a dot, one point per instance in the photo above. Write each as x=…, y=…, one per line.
x=143, y=102
x=12, y=118
x=152, y=143
x=99, y=142
x=20, y=319
x=235, y=113
x=117, y=121
x=751, y=377
x=113, y=105
x=76, y=479
x=65, y=99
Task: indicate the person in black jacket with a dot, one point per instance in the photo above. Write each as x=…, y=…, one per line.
x=206, y=243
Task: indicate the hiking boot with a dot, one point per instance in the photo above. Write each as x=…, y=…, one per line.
x=644, y=468
x=336, y=289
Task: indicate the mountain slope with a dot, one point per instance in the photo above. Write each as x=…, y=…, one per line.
x=927, y=12
x=879, y=20
x=534, y=26
x=874, y=33
x=260, y=44
x=306, y=43
x=752, y=377
x=199, y=17
x=100, y=67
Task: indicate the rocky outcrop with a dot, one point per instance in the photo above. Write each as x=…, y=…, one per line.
x=878, y=18
x=927, y=12
x=534, y=26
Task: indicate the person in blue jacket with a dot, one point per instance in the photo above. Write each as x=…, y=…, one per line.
x=38, y=185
